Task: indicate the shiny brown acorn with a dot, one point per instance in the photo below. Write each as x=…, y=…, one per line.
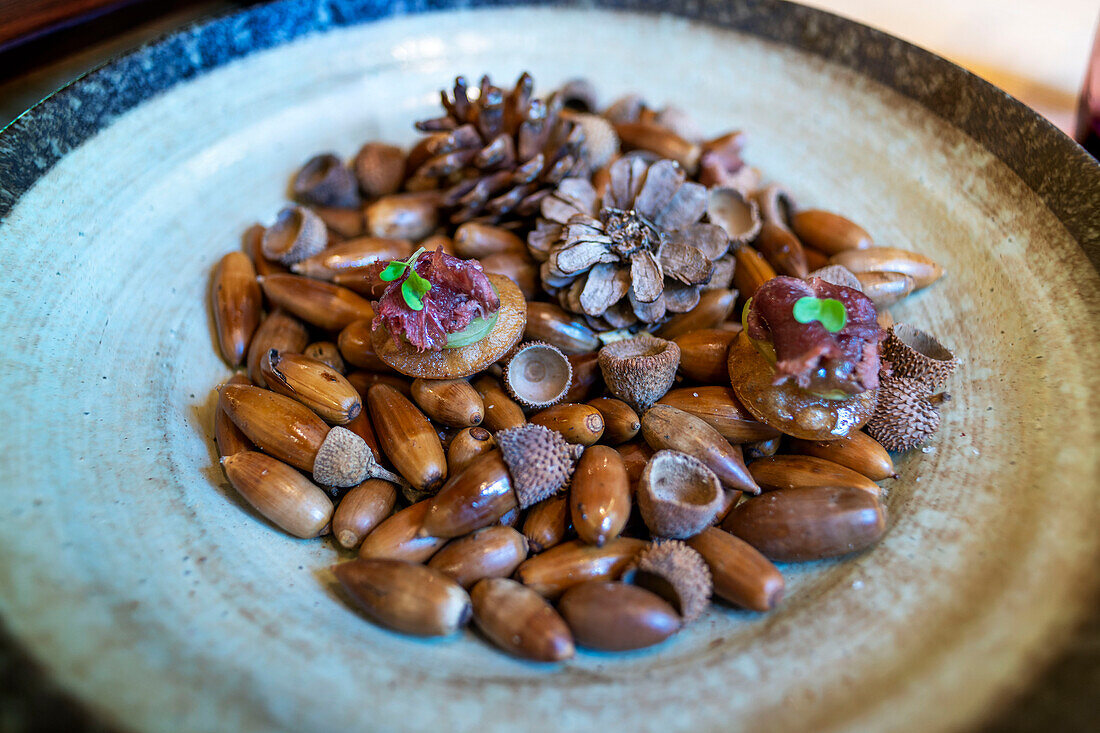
x=520, y=621
x=719, y=408
x=581, y=424
x=407, y=438
x=599, y=497
x=501, y=411
x=794, y=525
x=547, y=523
x=762, y=448
x=284, y=496
x=667, y=428
x=399, y=537
x=237, y=301
x=635, y=455
x=782, y=250
x=858, y=451
x=714, y=307
x=620, y=422
x=326, y=352
x=362, y=509
x=552, y=572
x=792, y=472
x=828, y=232
x=352, y=254
x=704, y=353
x=467, y=445
x=617, y=616
x=313, y=383
x=363, y=381
x=551, y=324
x=741, y=574
x=474, y=240
x=227, y=435
x=279, y=331
x=277, y=425
x=586, y=376
x=406, y=597
x=346, y=223
x=321, y=304
x=253, y=245
x=751, y=272
x=410, y=216
x=923, y=270
x=885, y=288
x=660, y=140
x=490, y=552
x=451, y=402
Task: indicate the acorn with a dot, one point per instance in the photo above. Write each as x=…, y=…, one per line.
x=380, y=168
x=714, y=307
x=677, y=573
x=490, y=552
x=284, y=496
x=547, y=523
x=227, y=435
x=357, y=347
x=635, y=455
x=639, y=371
x=533, y=463
x=665, y=427
x=620, y=422
x=297, y=233
x=328, y=353
x=466, y=446
x=450, y=402
x=279, y=330
x=237, y=302
x=829, y=232
x=763, y=448
x=552, y=572
x=858, y=451
x=791, y=472
x=520, y=621
x=719, y=407
x=474, y=240
x=838, y=275
x=501, y=411
x=406, y=597
x=551, y=324
x=342, y=223
x=313, y=383
x=885, y=288
x=316, y=302
x=617, y=616
x=577, y=423
x=703, y=354
x=404, y=215
x=324, y=180
x=586, y=376
x=252, y=242
x=906, y=415
x=399, y=538
x=362, y=509
x=408, y=439
x=781, y=248
x=741, y=574
x=351, y=255
x=599, y=496
x=678, y=495
x=537, y=375
x=915, y=354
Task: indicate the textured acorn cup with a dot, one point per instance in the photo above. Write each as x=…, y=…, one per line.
x=617, y=616
x=677, y=573
x=537, y=375
x=678, y=496
x=325, y=181
x=639, y=371
x=466, y=360
x=297, y=233
x=915, y=354
x=345, y=459
x=906, y=415
x=788, y=408
x=406, y=597
x=520, y=621
x=284, y=496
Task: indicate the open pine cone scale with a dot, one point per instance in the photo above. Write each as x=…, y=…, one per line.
x=636, y=255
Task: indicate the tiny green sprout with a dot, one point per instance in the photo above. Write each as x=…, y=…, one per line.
x=415, y=287
x=829, y=312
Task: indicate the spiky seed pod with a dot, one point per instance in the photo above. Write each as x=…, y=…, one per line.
x=539, y=460
x=838, y=275
x=915, y=354
x=496, y=153
x=678, y=574
x=537, y=375
x=639, y=371
x=633, y=254
x=906, y=416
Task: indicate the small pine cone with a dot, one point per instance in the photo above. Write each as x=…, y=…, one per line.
x=915, y=354
x=671, y=568
x=539, y=459
x=496, y=154
x=906, y=416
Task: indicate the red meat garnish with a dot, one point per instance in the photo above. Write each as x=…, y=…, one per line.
x=808, y=353
x=460, y=292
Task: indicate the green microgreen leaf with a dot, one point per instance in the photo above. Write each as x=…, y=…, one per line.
x=412, y=298
x=393, y=271
x=829, y=312
x=415, y=287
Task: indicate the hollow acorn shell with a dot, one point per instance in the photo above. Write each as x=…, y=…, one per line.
x=537, y=375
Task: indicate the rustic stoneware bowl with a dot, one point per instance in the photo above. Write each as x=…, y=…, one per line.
x=138, y=584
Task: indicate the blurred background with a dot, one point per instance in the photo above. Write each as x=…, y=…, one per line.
x=1036, y=50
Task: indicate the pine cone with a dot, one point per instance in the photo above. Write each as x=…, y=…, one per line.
x=637, y=255
x=498, y=154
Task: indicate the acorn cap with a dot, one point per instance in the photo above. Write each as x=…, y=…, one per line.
x=639, y=371
x=539, y=460
x=678, y=495
x=537, y=375
x=601, y=142
x=297, y=233
x=906, y=415
x=343, y=460
x=915, y=354
x=838, y=275
x=324, y=180
x=677, y=573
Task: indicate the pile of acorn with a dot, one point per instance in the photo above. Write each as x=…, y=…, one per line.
x=559, y=481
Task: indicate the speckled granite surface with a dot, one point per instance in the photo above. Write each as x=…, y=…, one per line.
x=1063, y=175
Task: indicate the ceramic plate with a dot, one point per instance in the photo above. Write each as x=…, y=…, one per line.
x=145, y=588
